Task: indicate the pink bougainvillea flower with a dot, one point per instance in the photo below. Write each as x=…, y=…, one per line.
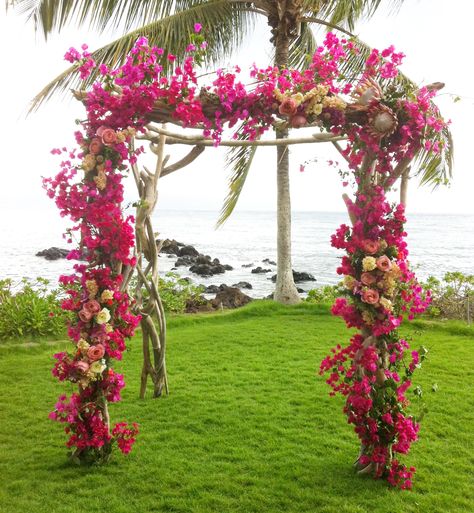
x=197, y=28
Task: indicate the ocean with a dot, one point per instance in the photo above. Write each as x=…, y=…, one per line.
x=437, y=244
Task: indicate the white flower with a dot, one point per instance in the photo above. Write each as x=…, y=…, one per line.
x=103, y=316
x=97, y=367
x=369, y=263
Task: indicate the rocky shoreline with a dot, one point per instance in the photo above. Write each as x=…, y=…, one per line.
x=188, y=258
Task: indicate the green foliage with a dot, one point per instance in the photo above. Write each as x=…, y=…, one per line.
x=177, y=293
x=248, y=427
x=30, y=309
x=325, y=294
x=453, y=296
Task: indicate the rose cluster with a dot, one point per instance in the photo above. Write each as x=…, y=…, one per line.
x=90, y=192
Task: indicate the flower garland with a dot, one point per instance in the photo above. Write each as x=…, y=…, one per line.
x=384, y=128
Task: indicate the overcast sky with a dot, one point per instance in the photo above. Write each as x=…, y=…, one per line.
x=436, y=40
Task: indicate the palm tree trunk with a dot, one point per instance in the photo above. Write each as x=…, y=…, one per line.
x=404, y=187
x=285, y=290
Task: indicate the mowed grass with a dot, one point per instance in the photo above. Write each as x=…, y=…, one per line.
x=248, y=425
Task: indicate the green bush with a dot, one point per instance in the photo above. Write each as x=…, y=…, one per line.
x=452, y=297
x=325, y=294
x=30, y=309
x=177, y=293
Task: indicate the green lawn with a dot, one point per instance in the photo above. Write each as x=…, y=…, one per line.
x=248, y=426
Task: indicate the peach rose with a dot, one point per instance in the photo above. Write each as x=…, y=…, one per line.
x=95, y=353
x=82, y=366
x=92, y=306
x=298, y=121
x=384, y=263
x=109, y=137
x=287, y=107
x=85, y=315
x=367, y=279
x=95, y=146
x=370, y=296
x=100, y=130
x=370, y=246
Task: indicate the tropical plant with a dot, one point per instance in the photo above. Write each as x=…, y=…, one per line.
x=452, y=297
x=30, y=309
x=227, y=24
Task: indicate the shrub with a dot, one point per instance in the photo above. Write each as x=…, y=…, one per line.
x=176, y=293
x=325, y=294
x=30, y=309
x=452, y=297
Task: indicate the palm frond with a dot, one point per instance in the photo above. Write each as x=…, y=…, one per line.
x=226, y=26
x=302, y=48
x=436, y=169
x=53, y=15
x=348, y=12
x=239, y=159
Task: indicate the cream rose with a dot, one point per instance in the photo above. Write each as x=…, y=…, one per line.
x=97, y=367
x=369, y=263
x=88, y=163
x=107, y=295
x=83, y=345
x=103, y=316
x=386, y=303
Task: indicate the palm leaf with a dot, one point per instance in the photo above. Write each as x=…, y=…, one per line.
x=239, y=159
x=302, y=48
x=348, y=12
x=53, y=15
x=226, y=27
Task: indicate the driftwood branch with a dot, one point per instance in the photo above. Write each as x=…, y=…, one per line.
x=190, y=157
x=200, y=140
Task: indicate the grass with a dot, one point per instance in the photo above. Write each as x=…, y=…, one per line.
x=248, y=426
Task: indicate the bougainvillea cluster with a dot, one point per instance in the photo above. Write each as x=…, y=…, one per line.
x=385, y=128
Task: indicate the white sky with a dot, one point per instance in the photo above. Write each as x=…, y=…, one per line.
x=436, y=40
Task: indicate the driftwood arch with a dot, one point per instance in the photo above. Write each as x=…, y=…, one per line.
x=385, y=131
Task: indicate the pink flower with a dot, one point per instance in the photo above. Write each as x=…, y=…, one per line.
x=96, y=352
x=287, y=107
x=92, y=306
x=370, y=246
x=100, y=130
x=109, y=137
x=384, y=263
x=298, y=121
x=95, y=146
x=85, y=315
x=82, y=366
x=197, y=28
x=367, y=279
x=370, y=296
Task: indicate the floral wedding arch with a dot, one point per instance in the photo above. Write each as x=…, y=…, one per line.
x=385, y=126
